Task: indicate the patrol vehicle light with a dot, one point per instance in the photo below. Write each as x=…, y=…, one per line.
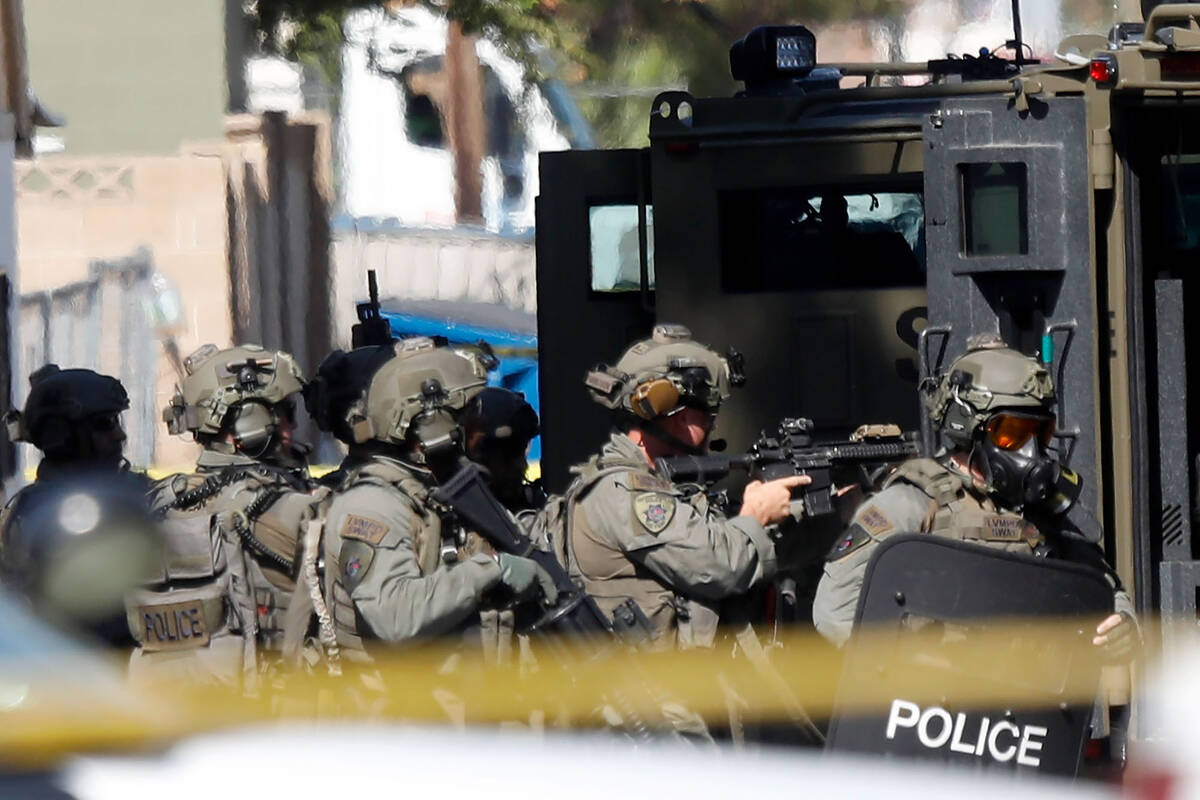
x=773, y=52
x=1103, y=70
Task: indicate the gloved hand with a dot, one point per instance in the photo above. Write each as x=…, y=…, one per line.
x=1119, y=636
x=526, y=579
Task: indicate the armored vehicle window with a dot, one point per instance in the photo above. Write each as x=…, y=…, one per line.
x=1181, y=200
x=806, y=239
x=613, y=230
x=995, y=209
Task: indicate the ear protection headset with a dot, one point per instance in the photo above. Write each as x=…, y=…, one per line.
x=253, y=425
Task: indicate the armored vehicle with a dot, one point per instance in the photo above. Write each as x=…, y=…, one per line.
x=849, y=240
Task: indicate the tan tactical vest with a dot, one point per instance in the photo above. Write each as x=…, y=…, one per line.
x=214, y=611
x=434, y=544
x=610, y=577
x=956, y=513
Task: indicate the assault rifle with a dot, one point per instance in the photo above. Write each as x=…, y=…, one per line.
x=790, y=450
x=468, y=497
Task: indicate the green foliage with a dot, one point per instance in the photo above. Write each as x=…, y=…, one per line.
x=630, y=46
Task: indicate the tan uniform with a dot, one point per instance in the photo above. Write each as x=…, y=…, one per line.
x=393, y=572
x=923, y=496
x=633, y=534
x=215, y=612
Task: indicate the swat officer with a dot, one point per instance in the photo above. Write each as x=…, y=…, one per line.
x=629, y=533
x=993, y=483
x=215, y=609
x=499, y=425
x=396, y=570
x=74, y=417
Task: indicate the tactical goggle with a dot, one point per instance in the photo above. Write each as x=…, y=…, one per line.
x=1012, y=431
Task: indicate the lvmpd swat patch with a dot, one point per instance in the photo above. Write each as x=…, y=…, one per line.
x=363, y=529
x=874, y=521
x=654, y=510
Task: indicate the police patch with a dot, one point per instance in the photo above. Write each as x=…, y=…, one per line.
x=355, y=560
x=654, y=510
x=363, y=529
x=854, y=537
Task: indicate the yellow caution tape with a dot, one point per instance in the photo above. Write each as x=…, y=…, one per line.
x=1015, y=665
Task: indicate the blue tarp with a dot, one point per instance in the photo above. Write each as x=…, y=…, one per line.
x=459, y=332
x=517, y=371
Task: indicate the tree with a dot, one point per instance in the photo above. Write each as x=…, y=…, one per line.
x=620, y=44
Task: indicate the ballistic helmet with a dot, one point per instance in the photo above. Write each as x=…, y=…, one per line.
x=984, y=379
x=987, y=378
x=417, y=395
x=75, y=548
x=239, y=390
x=666, y=372
x=500, y=416
x=59, y=401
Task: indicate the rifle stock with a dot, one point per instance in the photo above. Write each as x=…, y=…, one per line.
x=468, y=496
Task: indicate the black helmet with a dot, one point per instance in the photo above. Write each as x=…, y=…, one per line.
x=498, y=416
x=341, y=381
x=60, y=400
x=75, y=548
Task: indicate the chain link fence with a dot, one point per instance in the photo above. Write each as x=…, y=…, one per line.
x=105, y=323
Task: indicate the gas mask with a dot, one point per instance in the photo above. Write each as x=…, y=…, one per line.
x=1013, y=456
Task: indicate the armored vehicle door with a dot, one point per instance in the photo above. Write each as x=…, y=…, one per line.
x=1154, y=292
x=936, y=612
x=595, y=285
x=792, y=228
x=1008, y=224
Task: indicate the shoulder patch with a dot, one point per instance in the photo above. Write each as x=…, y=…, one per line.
x=854, y=537
x=645, y=482
x=873, y=520
x=363, y=529
x=354, y=561
x=654, y=510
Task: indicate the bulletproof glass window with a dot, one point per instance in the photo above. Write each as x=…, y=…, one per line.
x=995, y=209
x=615, y=265
x=812, y=239
x=1181, y=201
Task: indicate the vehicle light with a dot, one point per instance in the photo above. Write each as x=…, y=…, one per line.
x=1141, y=784
x=1103, y=70
x=1181, y=64
x=792, y=53
x=772, y=53
x=682, y=148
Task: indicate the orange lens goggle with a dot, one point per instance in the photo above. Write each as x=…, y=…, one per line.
x=1012, y=431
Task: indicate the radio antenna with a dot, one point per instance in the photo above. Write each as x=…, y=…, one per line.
x=1018, y=43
